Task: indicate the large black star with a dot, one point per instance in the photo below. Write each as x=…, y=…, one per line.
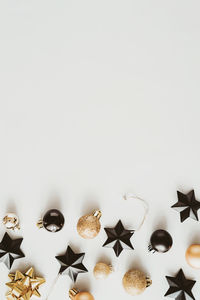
x=187, y=206
x=10, y=250
x=180, y=287
x=71, y=264
x=118, y=238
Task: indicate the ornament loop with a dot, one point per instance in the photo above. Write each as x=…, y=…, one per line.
x=149, y=281
x=129, y=196
x=72, y=293
x=97, y=214
x=150, y=249
x=76, y=295
x=40, y=224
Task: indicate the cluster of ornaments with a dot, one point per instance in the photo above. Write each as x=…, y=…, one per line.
x=25, y=285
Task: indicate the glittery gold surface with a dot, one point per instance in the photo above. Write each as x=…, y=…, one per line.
x=135, y=282
x=89, y=226
x=193, y=256
x=102, y=270
x=23, y=286
x=75, y=295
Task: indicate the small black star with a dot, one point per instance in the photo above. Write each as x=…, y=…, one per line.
x=187, y=206
x=10, y=250
x=118, y=238
x=71, y=264
x=180, y=287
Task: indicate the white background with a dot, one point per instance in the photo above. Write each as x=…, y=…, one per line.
x=99, y=98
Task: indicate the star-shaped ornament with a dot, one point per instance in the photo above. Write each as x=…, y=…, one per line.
x=24, y=286
x=180, y=288
x=71, y=264
x=187, y=206
x=10, y=250
x=118, y=238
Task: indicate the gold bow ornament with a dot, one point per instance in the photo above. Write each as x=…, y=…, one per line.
x=24, y=286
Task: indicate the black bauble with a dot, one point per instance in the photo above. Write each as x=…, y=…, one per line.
x=161, y=241
x=53, y=220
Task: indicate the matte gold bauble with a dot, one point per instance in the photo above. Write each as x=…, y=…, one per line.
x=76, y=295
x=102, y=270
x=89, y=225
x=135, y=282
x=193, y=256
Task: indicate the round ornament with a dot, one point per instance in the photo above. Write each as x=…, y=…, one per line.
x=102, y=270
x=135, y=282
x=76, y=295
x=11, y=221
x=193, y=256
x=52, y=221
x=88, y=226
x=161, y=241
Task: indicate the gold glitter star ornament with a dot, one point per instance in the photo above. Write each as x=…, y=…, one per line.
x=24, y=286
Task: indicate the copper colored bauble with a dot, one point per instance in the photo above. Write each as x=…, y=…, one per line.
x=102, y=270
x=89, y=225
x=76, y=295
x=193, y=256
x=135, y=282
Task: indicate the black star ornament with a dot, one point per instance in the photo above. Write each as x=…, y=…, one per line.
x=180, y=287
x=71, y=264
x=10, y=250
x=118, y=238
x=187, y=206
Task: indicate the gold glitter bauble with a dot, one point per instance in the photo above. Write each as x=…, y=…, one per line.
x=75, y=295
x=102, y=270
x=135, y=282
x=193, y=256
x=89, y=225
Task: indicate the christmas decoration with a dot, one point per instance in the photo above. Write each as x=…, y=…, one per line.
x=161, y=241
x=10, y=250
x=118, y=238
x=102, y=270
x=71, y=264
x=180, y=287
x=135, y=282
x=76, y=295
x=23, y=286
x=11, y=221
x=52, y=221
x=193, y=256
x=89, y=226
x=132, y=197
x=187, y=206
